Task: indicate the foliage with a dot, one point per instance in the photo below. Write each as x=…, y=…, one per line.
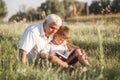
x=52, y=6
x=104, y=7
x=19, y=17
x=80, y=7
x=115, y=6
x=84, y=35
x=67, y=9
x=95, y=7
x=3, y=9
x=30, y=15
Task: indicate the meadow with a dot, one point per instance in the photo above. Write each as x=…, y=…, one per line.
x=100, y=39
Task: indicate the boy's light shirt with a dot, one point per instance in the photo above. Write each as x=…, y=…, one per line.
x=53, y=48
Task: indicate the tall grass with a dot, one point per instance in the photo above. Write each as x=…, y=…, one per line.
x=100, y=40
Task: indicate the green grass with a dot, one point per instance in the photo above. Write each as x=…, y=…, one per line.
x=101, y=40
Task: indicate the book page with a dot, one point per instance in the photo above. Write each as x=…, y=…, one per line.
x=66, y=54
x=61, y=55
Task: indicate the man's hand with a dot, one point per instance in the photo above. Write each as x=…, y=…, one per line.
x=43, y=56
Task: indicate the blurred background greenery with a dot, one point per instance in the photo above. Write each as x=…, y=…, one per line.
x=94, y=27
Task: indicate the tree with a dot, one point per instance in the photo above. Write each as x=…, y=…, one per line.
x=115, y=6
x=33, y=14
x=80, y=7
x=68, y=5
x=74, y=8
x=100, y=7
x=20, y=16
x=51, y=6
x=105, y=6
x=25, y=15
x=30, y=15
x=95, y=7
x=3, y=9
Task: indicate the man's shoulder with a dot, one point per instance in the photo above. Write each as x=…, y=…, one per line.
x=35, y=26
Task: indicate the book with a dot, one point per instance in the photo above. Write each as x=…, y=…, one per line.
x=64, y=56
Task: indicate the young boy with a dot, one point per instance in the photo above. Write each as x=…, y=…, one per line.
x=59, y=46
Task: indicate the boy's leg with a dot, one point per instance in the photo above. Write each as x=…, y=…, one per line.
x=78, y=55
x=82, y=57
x=72, y=59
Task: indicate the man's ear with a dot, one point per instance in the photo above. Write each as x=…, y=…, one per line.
x=45, y=22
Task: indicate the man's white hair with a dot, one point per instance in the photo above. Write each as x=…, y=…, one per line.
x=54, y=18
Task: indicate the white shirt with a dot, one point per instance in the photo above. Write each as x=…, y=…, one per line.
x=53, y=48
x=34, y=40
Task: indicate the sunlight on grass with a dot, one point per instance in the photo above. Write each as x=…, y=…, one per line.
x=100, y=39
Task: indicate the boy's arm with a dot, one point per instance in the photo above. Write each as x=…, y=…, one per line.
x=71, y=46
x=54, y=58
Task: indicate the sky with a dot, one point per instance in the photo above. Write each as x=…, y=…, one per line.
x=13, y=6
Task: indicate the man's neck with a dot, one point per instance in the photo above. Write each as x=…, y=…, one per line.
x=47, y=35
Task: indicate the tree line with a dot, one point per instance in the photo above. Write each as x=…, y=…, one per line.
x=64, y=8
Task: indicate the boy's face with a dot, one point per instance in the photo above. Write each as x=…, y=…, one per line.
x=59, y=39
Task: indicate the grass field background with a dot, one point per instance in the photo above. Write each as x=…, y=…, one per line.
x=100, y=39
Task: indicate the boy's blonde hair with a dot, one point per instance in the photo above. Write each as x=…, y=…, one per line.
x=64, y=32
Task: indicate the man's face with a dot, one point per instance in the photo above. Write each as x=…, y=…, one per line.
x=51, y=29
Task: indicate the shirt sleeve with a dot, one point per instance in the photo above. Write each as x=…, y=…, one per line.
x=28, y=41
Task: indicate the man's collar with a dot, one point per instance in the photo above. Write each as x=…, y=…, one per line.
x=42, y=31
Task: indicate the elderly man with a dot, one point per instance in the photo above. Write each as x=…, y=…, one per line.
x=37, y=36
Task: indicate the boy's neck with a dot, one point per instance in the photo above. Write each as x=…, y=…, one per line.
x=54, y=42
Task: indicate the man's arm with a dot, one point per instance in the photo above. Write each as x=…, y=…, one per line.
x=22, y=56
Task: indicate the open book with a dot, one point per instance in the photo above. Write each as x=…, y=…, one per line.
x=64, y=56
